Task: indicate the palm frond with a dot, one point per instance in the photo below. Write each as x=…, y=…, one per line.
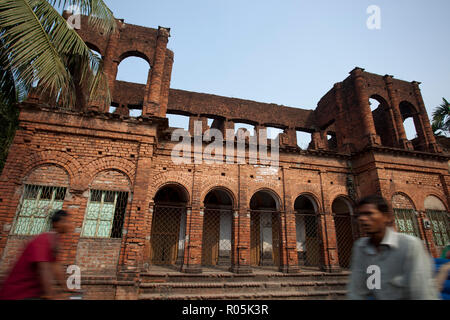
x=30, y=51
x=441, y=117
x=100, y=16
x=437, y=128
x=38, y=41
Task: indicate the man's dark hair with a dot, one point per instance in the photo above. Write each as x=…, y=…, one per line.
x=377, y=201
x=58, y=215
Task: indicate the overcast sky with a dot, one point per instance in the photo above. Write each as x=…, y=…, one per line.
x=291, y=52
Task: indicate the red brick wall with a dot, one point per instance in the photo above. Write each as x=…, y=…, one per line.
x=89, y=148
x=44, y=174
x=400, y=201
x=98, y=256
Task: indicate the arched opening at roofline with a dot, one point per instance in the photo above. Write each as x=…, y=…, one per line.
x=384, y=123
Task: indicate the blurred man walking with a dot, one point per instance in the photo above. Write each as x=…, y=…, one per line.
x=388, y=265
x=37, y=268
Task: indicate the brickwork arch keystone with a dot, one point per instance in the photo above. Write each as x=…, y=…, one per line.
x=88, y=173
x=62, y=159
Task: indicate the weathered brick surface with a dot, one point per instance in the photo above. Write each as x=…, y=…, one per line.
x=89, y=148
x=98, y=255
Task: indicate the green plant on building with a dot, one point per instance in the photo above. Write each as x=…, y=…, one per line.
x=38, y=47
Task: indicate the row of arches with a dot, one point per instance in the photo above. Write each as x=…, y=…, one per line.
x=219, y=229
x=46, y=187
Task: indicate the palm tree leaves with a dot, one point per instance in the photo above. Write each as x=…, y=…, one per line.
x=41, y=47
x=441, y=118
x=100, y=16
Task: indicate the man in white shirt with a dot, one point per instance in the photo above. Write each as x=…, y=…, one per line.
x=388, y=265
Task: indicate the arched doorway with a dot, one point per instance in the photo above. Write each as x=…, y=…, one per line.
x=217, y=228
x=346, y=229
x=306, y=225
x=264, y=229
x=168, y=226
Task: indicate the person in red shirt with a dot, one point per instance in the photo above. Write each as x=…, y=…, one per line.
x=36, y=270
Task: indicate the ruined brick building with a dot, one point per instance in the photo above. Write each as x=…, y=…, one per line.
x=133, y=208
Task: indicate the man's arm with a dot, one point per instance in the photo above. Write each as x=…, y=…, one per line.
x=419, y=268
x=45, y=276
x=357, y=286
x=59, y=274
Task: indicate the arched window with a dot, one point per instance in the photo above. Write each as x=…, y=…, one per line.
x=135, y=69
x=105, y=212
x=440, y=221
x=405, y=215
x=411, y=122
x=44, y=192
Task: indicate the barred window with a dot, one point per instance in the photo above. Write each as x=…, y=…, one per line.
x=105, y=214
x=440, y=225
x=406, y=222
x=36, y=207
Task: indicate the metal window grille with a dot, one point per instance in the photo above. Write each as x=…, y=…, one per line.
x=346, y=233
x=216, y=238
x=440, y=224
x=105, y=214
x=37, y=204
x=167, y=235
x=406, y=222
x=308, y=240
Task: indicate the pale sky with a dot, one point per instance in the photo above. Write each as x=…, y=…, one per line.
x=291, y=52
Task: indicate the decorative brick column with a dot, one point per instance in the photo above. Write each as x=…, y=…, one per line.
x=402, y=140
x=137, y=232
x=427, y=233
x=110, y=67
x=425, y=121
x=192, y=121
x=243, y=244
x=362, y=99
x=227, y=125
x=165, y=88
x=193, y=247
x=235, y=239
x=288, y=245
x=329, y=241
x=153, y=99
x=341, y=120
x=76, y=206
x=317, y=141
x=291, y=135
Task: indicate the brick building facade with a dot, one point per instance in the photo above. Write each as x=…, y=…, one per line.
x=133, y=207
